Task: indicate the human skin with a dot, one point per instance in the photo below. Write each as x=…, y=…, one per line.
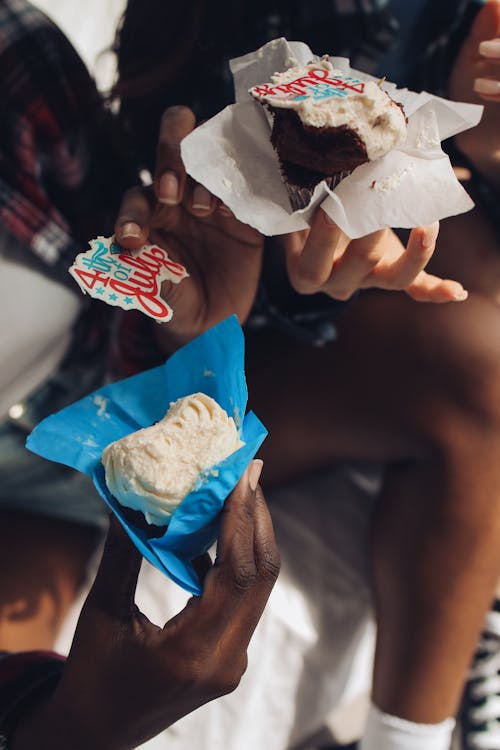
x=127, y=679
x=203, y=234
x=476, y=78
x=420, y=390
x=415, y=386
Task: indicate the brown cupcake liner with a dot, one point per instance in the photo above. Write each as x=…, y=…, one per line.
x=300, y=197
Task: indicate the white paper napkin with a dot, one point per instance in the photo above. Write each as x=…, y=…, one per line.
x=232, y=156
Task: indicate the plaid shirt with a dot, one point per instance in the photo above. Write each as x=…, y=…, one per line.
x=61, y=180
x=60, y=176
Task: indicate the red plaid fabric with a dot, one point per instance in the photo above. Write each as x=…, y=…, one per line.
x=61, y=177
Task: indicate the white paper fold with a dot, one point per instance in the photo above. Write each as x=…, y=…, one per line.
x=232, y=156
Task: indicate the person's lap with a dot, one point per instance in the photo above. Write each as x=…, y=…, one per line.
x=375, y=392
x=415, y=387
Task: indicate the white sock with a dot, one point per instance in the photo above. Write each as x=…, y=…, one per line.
x=385, y=732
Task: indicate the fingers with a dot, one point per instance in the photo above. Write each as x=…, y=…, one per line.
x=490, y=49
x=246, y=566
x=267, y=561
x=429, y=288
x=329, y=262
x=486, y=25
x=310, y=256
x=485, y=38
x=405, y=269
x=170, y=183
x=116, y=580
x=419, y=250
x=357, y=262
x=170, y=175
x=132, y=224
x=247, y=563
x=378, y=261
x=488, y=88
x=235, y=551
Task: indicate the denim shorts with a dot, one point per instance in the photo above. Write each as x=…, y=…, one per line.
x=32, y=484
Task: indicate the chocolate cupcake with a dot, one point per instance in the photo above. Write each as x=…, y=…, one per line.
x=326, y=123
x=152, y=470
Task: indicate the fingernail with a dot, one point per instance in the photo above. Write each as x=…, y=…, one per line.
x=168, y=189
x=202, y=200
x=487, y=86
x=461, y=295
x=429, y=237
x=490, y=48
x=130, y=230
x=253, y=472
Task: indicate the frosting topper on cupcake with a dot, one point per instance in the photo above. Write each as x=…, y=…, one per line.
x=325, y=97
x=131, y=282
x=315, y=83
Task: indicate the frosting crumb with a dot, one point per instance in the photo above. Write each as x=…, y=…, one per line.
x=390, y=183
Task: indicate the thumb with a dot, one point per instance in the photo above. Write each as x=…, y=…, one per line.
x=114, y=587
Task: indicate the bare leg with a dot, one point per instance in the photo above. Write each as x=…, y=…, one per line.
x=417, y=386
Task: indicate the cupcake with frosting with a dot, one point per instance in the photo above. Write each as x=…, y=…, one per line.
x=326, y=123
x=152, y=470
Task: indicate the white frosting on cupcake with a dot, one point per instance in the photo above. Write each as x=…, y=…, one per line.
x=152, y=470
x=325, y=97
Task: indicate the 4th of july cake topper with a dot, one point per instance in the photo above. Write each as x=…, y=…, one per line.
x=132, y=282
x=317, y=84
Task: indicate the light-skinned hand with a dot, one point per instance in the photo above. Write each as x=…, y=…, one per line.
x=224, y=256
x=324, y=259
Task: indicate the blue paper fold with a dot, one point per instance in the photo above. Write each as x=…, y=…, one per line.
x=213, y=364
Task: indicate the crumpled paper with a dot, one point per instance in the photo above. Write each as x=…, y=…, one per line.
x=213, y=364
x=232, y=156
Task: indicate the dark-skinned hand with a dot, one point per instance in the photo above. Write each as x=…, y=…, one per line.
x=127, y=679
x=224, y=256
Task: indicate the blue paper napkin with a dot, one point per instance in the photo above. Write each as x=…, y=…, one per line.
x=213, y=364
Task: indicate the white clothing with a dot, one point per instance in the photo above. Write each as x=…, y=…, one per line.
x=90, y=27
x=386, y=732
x=37, y=318
x=304, y=650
